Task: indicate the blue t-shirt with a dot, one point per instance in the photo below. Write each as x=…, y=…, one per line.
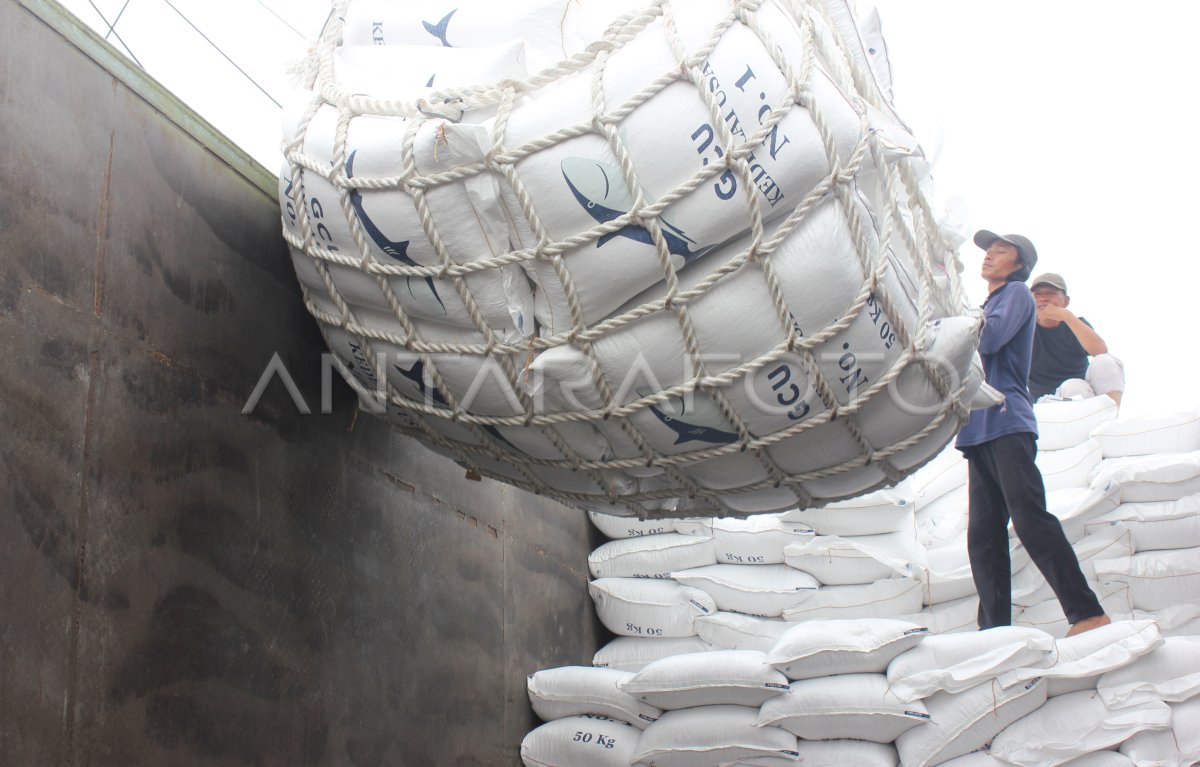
x=1006, y=347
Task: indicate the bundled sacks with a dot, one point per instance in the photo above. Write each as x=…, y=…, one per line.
x=962, y=722
x=757, y=540
x=581, y=741
x=1067, y=423
x=1150, y=434
x=1176, y=747
x=558, y=693
x=651, y=556
x=478, y=236
x=884, y=598
x=837, y=561
x=1149, y=478
x=734, y=677
x=845, y=706
x=1070, y=725
x=820, y=648
x=722, y=734
x=955, y=662
x=764, y=590
x=1093, y=653
x=1156, y=579
x=632, y=653
x=641, y=607
x=1170, y=673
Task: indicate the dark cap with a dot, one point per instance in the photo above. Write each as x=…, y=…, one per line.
x=1025, y=249
x=1051, y=279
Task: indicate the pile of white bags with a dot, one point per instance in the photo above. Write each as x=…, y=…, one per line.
x=851, y=628
x=675, y=260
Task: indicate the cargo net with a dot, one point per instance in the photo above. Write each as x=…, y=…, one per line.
x=728, y=467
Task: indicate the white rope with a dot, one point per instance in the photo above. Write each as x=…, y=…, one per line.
x=824, y=50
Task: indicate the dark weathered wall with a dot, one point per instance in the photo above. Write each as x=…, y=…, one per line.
x=184, y=585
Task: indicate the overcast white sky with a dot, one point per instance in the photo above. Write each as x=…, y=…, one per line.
x=1070, y=122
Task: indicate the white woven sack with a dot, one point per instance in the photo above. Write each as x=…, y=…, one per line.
x=617, y=527
x=1171, y=673
x=1176, y=747
x=962, y=722
x=946, y=575
x=946, y=472
x=1076, y=507
x=1069, y=467
x=1176, y=620
x=837, y=561
x=1159, y=525
x=976, y=759
x=472, y=24
x=1147, y=478
x=643, y=607
x=1065, y=686
x=1094, y=652
x=1066, y=423
x=885, y=598
x=633, y=653
x=581, y=741
x=819, y=648
x=1155, y=579
x=1150, y=434
x=883, y=511
x=845, y=752
x=764, y=590
x=1030, y=588
x=955, y=662
x=943, y=520
x=557, y=693
x=650, y=556
x=757, y=540
x=1072, y=725
x=856, y=706
x=710, y=735
x=947, y=617
x=733, y=677
x=735, y=631
x=1100, y=759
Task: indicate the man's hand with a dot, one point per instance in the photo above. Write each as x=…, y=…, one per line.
x=1050, y=315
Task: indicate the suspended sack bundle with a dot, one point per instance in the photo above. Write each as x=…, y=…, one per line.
x=687, y=268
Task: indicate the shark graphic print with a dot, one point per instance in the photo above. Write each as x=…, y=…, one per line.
x=601, y=191
x=393, y=248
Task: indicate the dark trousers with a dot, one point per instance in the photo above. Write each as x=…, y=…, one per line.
x=1004, y=482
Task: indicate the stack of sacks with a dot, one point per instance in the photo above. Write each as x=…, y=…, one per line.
x=805, y=591
x=1154, y=462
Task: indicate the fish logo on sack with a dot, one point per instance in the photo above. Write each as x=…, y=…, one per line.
x=397, y=250
x=439, y=30
x=700, y=426
x=602, y=193
x=416, y=374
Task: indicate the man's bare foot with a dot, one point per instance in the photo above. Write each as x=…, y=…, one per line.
x=1087, y=624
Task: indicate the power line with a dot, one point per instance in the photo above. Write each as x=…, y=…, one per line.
x=115, y=33
x=120, y=13
x=217, y=48
x=284, y=21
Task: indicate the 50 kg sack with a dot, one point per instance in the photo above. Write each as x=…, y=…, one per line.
x=641, y=607
x=581, y=741
x=558, y=693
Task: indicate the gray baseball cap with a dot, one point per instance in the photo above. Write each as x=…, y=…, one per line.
x=1051, y=279
x=1025, y=249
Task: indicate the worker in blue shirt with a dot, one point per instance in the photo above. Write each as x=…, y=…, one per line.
x=1000, y=446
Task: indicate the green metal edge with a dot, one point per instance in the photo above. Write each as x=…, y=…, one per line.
x=152, y=92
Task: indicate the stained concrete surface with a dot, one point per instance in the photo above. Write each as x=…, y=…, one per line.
x=181, y=584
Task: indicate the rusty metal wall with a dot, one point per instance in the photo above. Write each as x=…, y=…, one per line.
x=181, y=584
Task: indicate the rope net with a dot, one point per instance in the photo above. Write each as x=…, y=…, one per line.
x=690, y=270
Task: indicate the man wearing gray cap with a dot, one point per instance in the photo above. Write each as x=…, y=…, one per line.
x=1062, y=344
x=1000, y=444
